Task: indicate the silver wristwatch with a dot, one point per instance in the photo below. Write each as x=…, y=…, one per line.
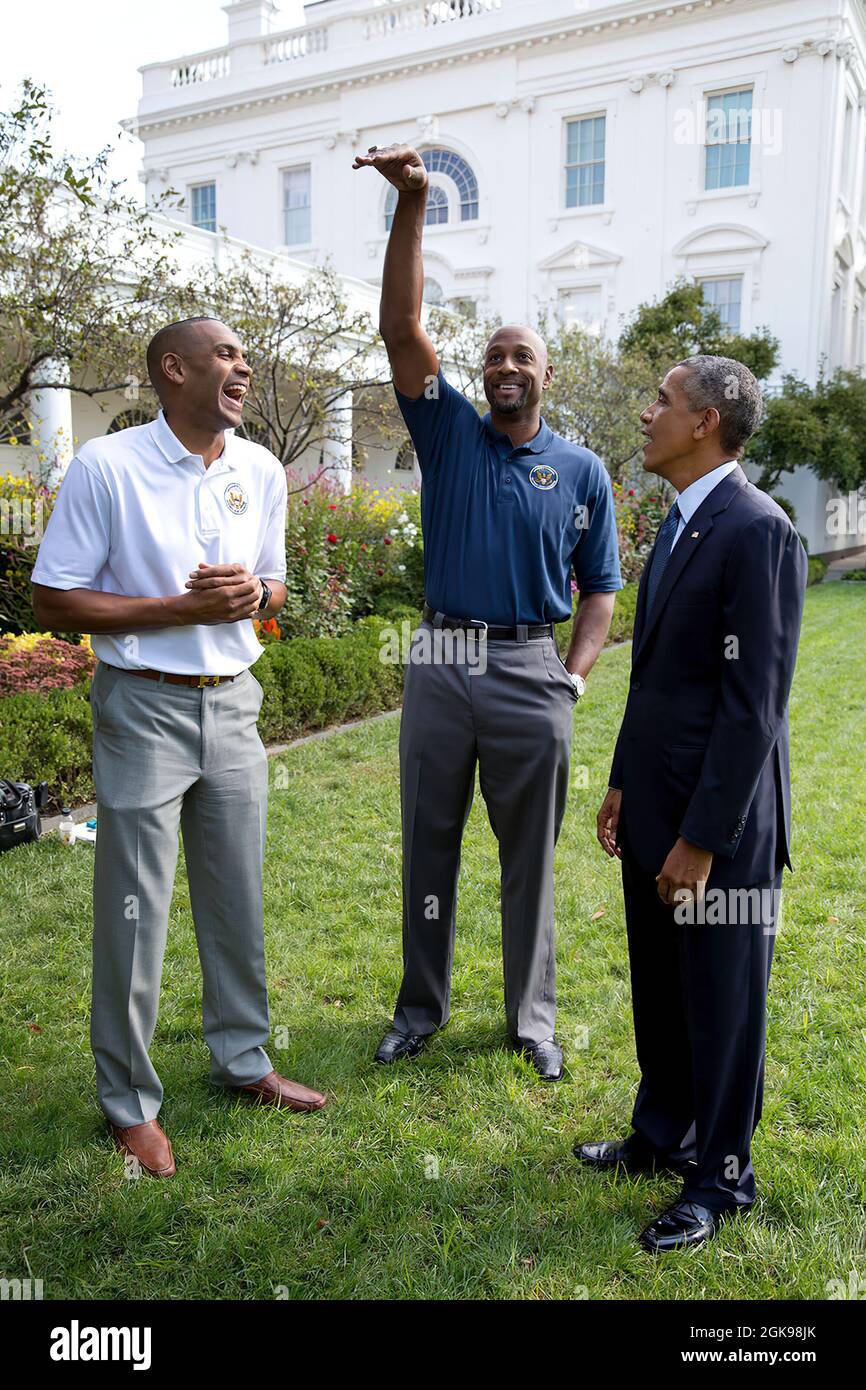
x=578, y=682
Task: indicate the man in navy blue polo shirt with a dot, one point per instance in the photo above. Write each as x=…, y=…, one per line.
x=509, y=512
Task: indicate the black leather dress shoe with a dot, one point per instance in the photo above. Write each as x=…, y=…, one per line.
x=395, y=1045
x=684, y=1223
x=546, y=1057
x=625, y=1153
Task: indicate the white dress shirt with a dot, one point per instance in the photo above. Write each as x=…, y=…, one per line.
x=136, y=512
x=692, y=496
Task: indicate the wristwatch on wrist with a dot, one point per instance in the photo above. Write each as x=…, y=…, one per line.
x=578, y=682
x=266, y=595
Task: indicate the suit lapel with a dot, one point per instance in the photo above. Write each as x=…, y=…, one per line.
x=693, y=535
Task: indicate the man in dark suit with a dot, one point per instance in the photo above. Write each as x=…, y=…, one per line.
x=698, y=808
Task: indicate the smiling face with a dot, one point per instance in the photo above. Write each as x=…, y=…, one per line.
x=204, y=374
x=673, y=431
x=516, y=370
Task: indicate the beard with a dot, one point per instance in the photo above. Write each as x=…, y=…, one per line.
x=510, y=406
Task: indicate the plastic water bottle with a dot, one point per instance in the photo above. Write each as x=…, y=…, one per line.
x=66, y=828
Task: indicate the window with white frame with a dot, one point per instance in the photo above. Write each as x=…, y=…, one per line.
x=297, y=223
x=725, y=295
x=729, y=139
x=203, y=206
x=584, y=161
x=581, y=306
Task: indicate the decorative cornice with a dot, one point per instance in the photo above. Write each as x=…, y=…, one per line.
x=630, y=18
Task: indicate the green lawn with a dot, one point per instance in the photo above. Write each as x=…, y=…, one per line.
x=346, y=1203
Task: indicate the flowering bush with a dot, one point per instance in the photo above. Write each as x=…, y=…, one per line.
x=37, y=661
x=25, y=506
x=349, y=554
x=638, y=518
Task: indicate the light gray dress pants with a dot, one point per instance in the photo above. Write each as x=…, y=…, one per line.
x=169, y=758
x=515, y=722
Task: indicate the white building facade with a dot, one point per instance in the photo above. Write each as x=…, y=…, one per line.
x=583, y=155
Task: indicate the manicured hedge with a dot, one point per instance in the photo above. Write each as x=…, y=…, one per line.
x=817, y=570
x=309, y=683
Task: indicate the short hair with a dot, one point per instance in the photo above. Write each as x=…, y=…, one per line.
x=725, y=385
x=166, y=340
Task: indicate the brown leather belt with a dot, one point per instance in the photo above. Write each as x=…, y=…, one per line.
x=171, y=679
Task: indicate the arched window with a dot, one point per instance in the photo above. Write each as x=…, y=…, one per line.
x=432, y=293
x=127, y=418
x=405, y=460
x=15, y=429
x=443, y=164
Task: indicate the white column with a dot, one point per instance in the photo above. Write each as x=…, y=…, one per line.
x=50, y=412
x=337, y=448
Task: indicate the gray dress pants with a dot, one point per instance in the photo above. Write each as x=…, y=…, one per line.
x=514, y=719
x=169, y=758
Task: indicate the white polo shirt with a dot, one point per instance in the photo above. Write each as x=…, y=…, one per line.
x=136, y=512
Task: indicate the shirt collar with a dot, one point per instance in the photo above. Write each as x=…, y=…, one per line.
x=175, y=452
x=692, y=496
x=536, y=445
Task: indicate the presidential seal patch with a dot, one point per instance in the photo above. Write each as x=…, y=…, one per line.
x=236, y=499
x=543, y=477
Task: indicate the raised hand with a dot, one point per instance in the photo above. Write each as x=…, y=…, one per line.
x=399, y=164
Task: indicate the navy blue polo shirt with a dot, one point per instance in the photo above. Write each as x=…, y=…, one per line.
x=504, y=527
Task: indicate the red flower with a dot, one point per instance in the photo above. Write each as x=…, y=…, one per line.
x=332, y=538
x=652, y=499
x=363, y=545
x=306, y=501
x=332, y=506
x=631, y=492
x=380, y=571
x=388, y=540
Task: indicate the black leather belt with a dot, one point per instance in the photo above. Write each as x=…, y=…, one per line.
x=494, y=634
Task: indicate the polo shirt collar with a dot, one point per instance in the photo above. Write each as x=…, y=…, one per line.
x=175, y=452
x=536, y=445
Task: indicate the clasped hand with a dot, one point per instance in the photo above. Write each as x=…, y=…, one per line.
x=223, y=593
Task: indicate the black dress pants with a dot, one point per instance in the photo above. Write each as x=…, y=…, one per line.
x=699, y=993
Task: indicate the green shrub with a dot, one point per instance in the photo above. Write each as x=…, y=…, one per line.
x=817, y=569
x=47, y=738
x=622, y=622
x=855, y=576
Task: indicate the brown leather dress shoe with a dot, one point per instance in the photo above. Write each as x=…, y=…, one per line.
x=148, y=1145
x=274, y=1089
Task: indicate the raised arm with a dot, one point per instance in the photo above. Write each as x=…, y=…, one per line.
x=411, y=354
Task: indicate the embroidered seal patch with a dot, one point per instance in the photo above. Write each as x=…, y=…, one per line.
x=236, y=499
x=543, y=477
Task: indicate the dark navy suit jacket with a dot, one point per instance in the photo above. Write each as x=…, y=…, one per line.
x=703, y=747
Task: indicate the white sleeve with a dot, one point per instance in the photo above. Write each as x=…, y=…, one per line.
x=74, y=548
x=271, y=563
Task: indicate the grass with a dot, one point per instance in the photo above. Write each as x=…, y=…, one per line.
x=450, y=1177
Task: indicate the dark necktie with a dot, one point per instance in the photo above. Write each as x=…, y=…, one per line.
x=661, y=554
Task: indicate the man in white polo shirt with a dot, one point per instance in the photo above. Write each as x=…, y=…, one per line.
x=164, y=542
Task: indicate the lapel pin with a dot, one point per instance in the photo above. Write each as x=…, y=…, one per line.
x=695, y=535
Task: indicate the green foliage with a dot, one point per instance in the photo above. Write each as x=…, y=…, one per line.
x=348, y=555
x=70, y=240
x=681, y=324
x=822, y=427
x=25, y=506
x=817, y=570
x=47, y=737
x=855, y=576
